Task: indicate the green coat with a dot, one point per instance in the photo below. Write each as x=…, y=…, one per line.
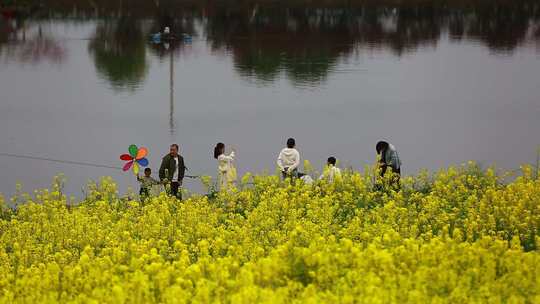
x=169, y=164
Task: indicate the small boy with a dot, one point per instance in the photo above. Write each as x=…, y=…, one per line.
x=146, y=183
x=289, y=160
x=331, y=172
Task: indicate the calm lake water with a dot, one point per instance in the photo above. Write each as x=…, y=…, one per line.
x=443, y=85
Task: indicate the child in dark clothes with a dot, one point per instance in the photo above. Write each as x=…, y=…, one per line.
x=146, y=183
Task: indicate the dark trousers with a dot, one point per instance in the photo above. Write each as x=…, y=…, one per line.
x=144, y=193
x=175, y=187
x=293, y=174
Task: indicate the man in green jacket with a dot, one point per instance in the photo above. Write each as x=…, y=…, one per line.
x=172, y=170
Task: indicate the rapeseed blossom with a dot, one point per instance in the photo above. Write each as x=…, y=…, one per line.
x=461, y=235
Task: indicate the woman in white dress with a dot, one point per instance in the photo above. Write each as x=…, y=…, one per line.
x=226, y=169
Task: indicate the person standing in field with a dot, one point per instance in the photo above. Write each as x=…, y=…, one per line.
x=331, y=172
x=289, y=160
x=147, y=181
x=226, y=170
x=389, y=158
x=172, y=171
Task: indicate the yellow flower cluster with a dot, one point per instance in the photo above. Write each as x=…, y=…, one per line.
x=462, y=235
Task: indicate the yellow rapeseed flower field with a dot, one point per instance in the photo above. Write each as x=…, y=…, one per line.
x=461, y=235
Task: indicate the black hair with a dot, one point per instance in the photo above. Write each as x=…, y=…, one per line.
x=332, y=160
x=146, y=170
x=176, y=146
x=291, y=143
x=381, y=146
x=219, y=149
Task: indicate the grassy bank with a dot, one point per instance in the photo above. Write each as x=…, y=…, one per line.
x=459, y=236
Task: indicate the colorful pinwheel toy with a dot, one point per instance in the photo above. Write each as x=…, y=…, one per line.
x=135, y=158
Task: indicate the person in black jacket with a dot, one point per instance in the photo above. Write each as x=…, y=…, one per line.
x=172, y=170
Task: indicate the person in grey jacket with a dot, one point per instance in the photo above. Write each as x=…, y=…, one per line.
x=389, y=158
x=173, y=170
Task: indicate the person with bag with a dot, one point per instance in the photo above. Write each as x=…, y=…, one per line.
x=226, y=170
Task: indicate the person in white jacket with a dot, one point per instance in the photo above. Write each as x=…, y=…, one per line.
x=331, y=172
x=226, y=169
x=289, y=160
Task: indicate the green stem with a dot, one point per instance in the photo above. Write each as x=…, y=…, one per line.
x=537, y=162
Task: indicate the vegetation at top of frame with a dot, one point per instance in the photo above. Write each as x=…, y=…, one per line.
x=461, y=235
x=150, y=5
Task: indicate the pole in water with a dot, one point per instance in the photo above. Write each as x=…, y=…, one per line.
x=171, y=110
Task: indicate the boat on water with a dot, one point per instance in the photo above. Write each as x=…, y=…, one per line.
x=166, y=37
x=159, y=38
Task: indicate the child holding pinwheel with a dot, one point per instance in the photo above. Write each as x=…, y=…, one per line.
x=146, y=183
x=136, y=159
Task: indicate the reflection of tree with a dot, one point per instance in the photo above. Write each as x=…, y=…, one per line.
x=400, y=30
x=303, y=58
x=26, y=46
x=119, y=52
x=501, y=29
x=298, y=40
x=305, y=44
x=4, y=31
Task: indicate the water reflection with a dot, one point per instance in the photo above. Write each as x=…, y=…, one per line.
x=118, y=48
x=306, y=44
x=5, y=30
x=303, y=44
x=400, y=30
x=24, y=43
x=500, y=29
x=181, y=23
